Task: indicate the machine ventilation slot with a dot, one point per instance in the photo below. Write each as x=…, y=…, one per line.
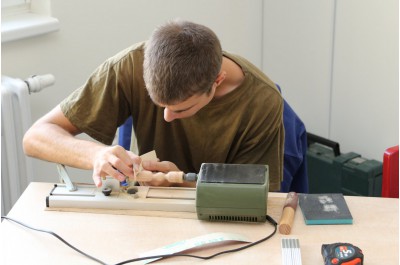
x=221, y=218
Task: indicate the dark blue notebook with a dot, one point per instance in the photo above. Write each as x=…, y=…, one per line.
x=327, y=208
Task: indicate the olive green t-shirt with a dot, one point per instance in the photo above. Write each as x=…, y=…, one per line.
x=244, y=126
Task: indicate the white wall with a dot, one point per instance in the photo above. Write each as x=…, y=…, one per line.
x=298, y=56
x=337, y=62
x=365, y=87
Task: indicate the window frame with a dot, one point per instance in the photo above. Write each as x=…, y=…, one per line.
x=27, y=18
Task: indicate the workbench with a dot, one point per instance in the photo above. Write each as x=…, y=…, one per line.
x=118, y=237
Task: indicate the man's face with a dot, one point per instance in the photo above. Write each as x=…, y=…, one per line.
x=187, y=108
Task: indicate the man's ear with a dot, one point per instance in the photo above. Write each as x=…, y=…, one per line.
x=220, y=78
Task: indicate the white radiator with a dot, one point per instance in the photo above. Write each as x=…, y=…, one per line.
x=16, y=167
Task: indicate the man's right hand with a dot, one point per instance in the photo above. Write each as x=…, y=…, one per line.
x=116, y=162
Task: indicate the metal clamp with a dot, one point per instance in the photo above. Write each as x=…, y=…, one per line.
x=64, y=177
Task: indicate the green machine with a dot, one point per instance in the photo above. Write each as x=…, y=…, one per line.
x=232, y=192
x=329, y=171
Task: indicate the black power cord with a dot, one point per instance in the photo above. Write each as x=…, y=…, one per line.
x=269, y=219
x=55, y=235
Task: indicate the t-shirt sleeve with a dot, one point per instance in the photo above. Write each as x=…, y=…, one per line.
x=100, y=106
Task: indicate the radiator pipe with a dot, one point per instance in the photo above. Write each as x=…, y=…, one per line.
x=37, y=82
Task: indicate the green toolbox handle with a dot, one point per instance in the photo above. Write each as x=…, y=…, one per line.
x=312, y=138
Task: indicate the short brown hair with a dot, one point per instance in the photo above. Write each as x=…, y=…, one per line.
x=181, y=59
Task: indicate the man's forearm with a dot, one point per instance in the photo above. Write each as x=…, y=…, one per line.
x=52, y=138
x=52, y=143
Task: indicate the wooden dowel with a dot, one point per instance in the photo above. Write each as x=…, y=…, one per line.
x=289, y=210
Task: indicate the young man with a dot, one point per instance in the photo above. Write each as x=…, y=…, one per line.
x=191, y=102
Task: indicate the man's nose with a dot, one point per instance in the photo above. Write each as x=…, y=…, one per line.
x=169, y=115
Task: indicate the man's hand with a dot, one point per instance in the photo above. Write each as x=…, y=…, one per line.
x=116, y=162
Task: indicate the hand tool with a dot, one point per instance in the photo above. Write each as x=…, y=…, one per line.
x=291, y=254
x=342, y=254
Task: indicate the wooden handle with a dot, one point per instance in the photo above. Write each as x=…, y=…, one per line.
x=172, y=177
x=285, y=224
x=144, y=176
x=289, y=210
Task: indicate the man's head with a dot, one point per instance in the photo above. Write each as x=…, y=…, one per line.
x=182, y=61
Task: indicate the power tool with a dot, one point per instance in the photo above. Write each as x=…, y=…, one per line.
x=232, y=192
x=224, y=192
x=342, y=254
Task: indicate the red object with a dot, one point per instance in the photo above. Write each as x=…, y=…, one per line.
x=390, y=174
x=356, y=261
